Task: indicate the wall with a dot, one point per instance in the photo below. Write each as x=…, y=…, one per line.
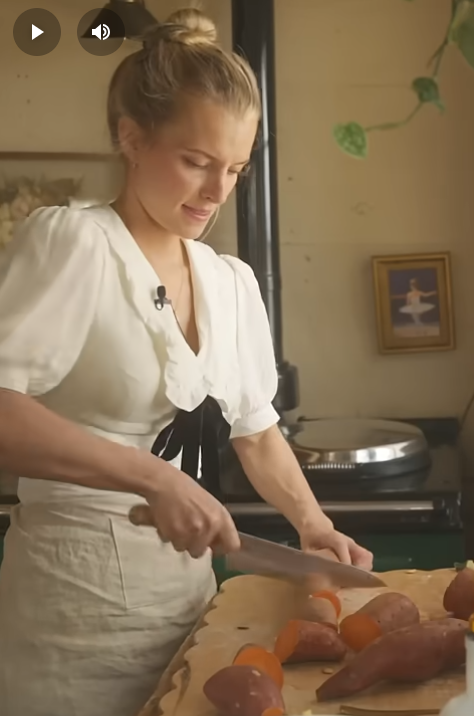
x=354, y=59
x=337, y=60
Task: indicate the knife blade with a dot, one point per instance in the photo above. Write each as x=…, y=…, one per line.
x=260, y=556
x=356, y=711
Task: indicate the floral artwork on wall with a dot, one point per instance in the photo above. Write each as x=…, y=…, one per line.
x=29, y=180
x=19, y=197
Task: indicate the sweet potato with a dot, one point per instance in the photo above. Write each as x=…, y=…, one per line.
x=302, y=641
x=263, y=660
x=381, y=615
x=241, y=690
x=459, y=596
x=411, y=654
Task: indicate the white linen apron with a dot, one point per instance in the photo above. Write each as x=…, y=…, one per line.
x=91, y=611
x=91, y=607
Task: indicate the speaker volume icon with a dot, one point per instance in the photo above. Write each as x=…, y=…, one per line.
x=102, y=32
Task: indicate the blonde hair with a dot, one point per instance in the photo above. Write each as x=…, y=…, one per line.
x=179, y=57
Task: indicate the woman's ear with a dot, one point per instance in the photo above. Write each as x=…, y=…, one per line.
x=130, y=137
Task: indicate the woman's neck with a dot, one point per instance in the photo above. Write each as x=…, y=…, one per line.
x=151, y=237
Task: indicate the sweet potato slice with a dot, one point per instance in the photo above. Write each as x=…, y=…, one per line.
x=331, y=597
x=381, y=615
x=359, y=630
x=263, y=660
x=241, y=690
x=412, y=654
x=302, y=641
x=319, y=610
x=459, y=596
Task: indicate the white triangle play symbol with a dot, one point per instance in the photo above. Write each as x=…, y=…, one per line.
x=36, y=32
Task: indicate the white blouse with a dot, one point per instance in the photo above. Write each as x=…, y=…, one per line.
x=79, y=331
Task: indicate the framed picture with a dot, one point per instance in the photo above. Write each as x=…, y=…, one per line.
x=413, y=302
x=29, y=180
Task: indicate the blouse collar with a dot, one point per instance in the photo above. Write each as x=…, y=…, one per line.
x=188, y=378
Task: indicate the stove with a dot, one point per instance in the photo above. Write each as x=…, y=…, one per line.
x=343, y=450
x=416, y=495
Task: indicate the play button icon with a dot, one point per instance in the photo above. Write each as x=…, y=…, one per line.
x=37, y=32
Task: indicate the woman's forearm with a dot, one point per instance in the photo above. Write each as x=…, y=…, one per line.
x=274, y=472
x=37, y=443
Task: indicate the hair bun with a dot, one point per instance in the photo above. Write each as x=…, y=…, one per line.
x=188, y=26
x=194, y=27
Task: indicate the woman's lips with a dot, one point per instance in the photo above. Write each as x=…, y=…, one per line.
x=197, y=214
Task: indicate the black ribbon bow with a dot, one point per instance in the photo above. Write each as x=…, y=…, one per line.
x=204, y=431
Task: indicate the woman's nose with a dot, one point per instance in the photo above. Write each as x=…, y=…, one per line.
x=216, y=190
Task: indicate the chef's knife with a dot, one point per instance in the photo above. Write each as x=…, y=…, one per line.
x=356, y=711
x=260, y=556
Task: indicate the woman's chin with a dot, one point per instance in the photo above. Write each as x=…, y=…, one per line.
x=191, y=235
x=191, y=229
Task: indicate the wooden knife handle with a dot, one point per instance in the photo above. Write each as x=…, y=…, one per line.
x=140, y=516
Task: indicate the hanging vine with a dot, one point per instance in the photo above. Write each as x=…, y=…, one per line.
x=352, y=137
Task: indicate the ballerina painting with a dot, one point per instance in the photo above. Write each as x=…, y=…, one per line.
x=412, y=315
x=414, y=304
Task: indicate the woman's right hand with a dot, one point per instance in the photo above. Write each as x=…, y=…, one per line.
x=186, y=515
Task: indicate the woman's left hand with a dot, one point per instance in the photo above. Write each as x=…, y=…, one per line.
x=346, y=549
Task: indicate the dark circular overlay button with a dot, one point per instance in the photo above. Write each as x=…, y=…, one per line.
x=37, y=32
x=101, y=32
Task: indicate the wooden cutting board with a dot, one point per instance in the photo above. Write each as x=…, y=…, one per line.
x=252, y=609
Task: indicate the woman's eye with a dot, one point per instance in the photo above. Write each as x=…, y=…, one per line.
x=191, y=163
x=240, y=172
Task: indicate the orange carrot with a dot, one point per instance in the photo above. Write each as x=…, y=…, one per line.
x=273, y=711
x=359, y=630
x=263, y=660
x=331, y=597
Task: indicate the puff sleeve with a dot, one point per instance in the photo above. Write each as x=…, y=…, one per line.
x=50, y=276
x=258, y=371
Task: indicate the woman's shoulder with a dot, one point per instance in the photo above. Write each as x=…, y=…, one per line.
x=53, y=240
x=50, y=220
x=57, y=229
x=225, y=264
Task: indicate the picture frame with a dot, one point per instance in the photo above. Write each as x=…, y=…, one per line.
x=413, y=303
x=30, y=180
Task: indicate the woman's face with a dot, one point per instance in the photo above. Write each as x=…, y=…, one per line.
x=192, y=165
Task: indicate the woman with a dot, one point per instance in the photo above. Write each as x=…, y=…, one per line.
x=105, y=384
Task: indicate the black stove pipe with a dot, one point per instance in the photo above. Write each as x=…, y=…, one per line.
x=253, y=34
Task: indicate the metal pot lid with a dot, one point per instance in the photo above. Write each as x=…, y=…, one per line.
x=357, y=441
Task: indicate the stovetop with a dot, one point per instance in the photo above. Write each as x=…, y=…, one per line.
x=443, y=477
x=430, y=500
